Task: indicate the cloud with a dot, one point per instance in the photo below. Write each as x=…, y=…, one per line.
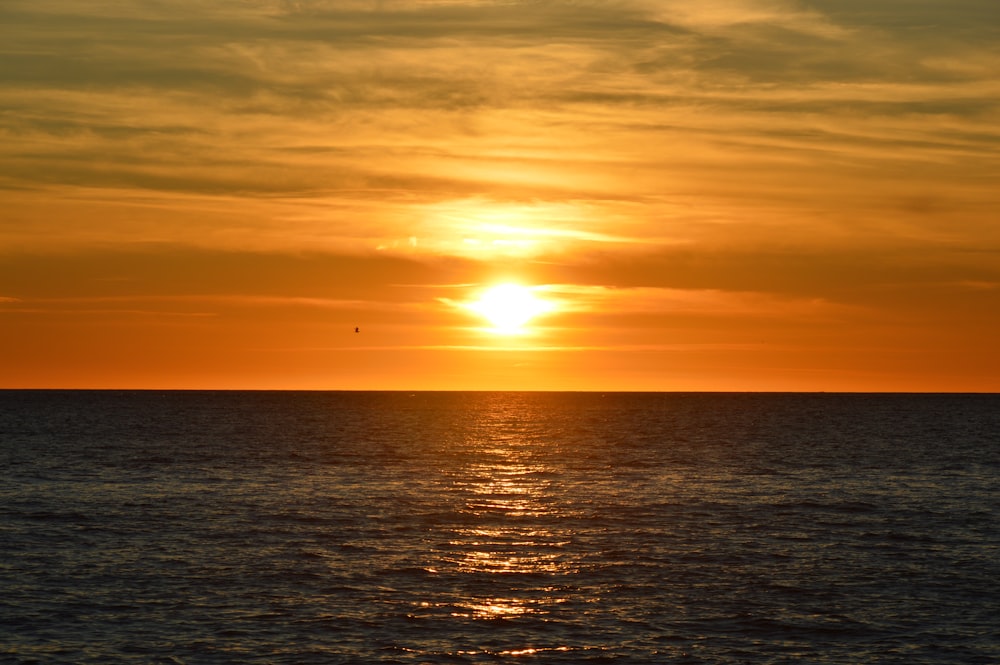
x=618, y=302
x=520, y=131
x=723, y=15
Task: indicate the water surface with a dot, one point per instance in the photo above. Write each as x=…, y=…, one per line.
x=256, y=527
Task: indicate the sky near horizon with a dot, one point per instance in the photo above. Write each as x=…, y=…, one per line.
x=713, y=195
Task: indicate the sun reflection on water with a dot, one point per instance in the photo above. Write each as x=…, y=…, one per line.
x=505, y=547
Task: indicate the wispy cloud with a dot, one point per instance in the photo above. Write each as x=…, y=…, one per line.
x=126, y=303
x=675, y=302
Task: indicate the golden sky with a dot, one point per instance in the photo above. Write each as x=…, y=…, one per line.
x=712, y=195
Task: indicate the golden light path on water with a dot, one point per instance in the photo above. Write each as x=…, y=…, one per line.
x=508, y=537
x=498, y=499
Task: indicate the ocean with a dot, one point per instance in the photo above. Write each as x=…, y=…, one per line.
x=395, y=527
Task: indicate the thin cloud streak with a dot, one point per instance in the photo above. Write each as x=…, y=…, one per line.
x=241, y=300
x=535, y=348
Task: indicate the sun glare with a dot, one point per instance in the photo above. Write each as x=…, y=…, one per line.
x=509, y=307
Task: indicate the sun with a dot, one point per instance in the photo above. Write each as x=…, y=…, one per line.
x=509, y=307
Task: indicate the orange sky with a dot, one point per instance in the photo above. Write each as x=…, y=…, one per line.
x=721, y=195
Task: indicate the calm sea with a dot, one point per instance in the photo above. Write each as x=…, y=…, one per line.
x=259, y=527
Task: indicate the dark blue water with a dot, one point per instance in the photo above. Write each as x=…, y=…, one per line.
x=242, y=527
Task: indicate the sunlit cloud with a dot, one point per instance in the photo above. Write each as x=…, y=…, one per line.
x=240, y=300
x=712, y=15
x=690, y=301
x=663, y=161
